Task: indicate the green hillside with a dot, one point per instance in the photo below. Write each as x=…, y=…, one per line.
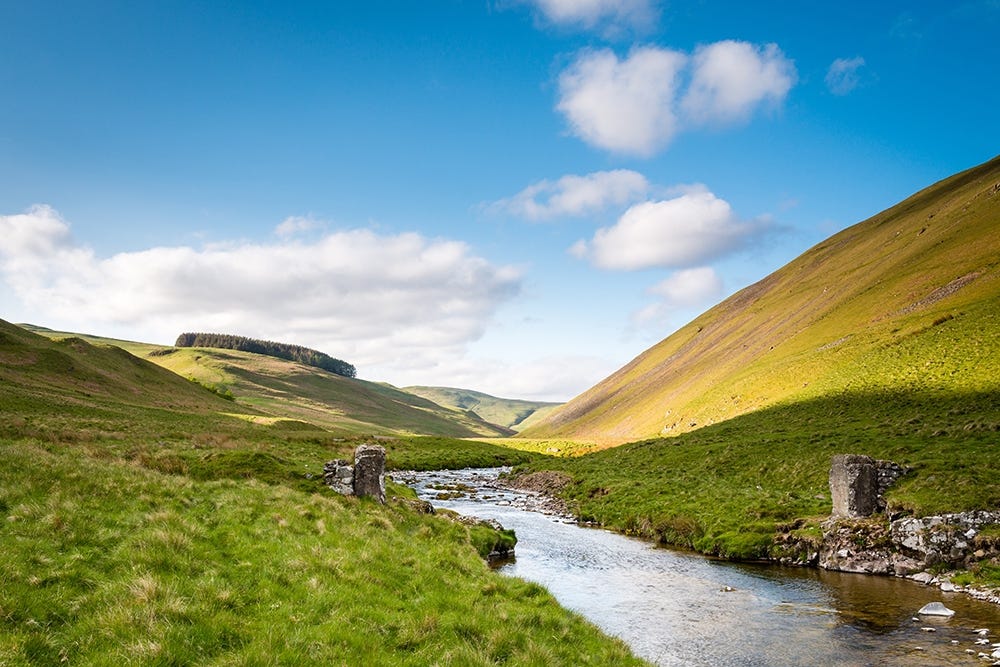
x=510, y=413
x=148, y=520
x=883, y=340
x=908, y=300
x=290, y=390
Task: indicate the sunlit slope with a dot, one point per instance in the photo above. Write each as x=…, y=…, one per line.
x=287, y=389
x=906, y=300
x=511, y=413
x=75, y=373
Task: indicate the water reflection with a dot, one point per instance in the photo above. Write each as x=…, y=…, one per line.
x=677, y=608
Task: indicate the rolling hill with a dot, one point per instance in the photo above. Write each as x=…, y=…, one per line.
x=290, y=390
x=510, y=413
x=907, y=301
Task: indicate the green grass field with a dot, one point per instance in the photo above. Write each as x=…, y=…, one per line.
x=149, y=521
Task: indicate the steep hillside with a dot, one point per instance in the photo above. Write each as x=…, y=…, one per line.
x=510, y=413
x=907, y=301
x=291, y=390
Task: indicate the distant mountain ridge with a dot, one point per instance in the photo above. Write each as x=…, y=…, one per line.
x=514, y=414
x=287, y=389
x=906, y=300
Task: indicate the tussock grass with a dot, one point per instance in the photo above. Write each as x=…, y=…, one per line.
x=110, y=563
x=143, y=522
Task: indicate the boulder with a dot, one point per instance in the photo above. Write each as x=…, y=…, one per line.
x=935, y=609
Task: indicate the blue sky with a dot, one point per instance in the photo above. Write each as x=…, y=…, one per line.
x=514, y=196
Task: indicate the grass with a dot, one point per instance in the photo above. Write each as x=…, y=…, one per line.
x=726, y=489
x=110, y=563
x=907, y=300
x=286, y=389
x=145, y=520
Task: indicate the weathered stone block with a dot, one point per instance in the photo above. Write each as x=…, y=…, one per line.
x=369, y=472
x=853, y=486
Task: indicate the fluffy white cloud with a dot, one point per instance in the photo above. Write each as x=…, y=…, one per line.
x=730, y=79
x=685, y=231
x=608, y=16
x=574, y=195
x=842, y=77
x=623, y=105
x=637, y=105
x=368, y=298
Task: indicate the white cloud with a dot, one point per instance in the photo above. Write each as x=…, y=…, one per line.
x=623, y=105
x=609, y=17
x=842, y=77
x=367, y=298
x=574, y=195
x=296, y=224
x=634, y=105
x=730, y=79
x=688, y=288
x=682, y=232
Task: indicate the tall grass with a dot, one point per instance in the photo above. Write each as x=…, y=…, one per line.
x=108, y=562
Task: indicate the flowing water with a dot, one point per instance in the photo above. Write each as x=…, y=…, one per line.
x=679, y=608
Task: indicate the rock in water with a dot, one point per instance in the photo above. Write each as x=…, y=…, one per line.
x=369, y=472
x=935, y=609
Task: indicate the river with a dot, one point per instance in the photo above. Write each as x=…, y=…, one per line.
x=679, y=608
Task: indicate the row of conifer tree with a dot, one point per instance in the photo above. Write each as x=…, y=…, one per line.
x=303, y=355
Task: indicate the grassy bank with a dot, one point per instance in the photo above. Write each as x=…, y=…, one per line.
x=148, y=521
x=725, y=489
x=108, y=562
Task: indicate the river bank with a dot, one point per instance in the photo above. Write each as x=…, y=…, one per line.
x=676, y=607
x=936, y=551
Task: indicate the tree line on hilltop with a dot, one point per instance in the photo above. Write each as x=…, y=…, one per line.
x=302, y=355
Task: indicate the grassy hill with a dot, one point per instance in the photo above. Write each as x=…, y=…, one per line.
x=908, y=300
x=291, y=390
x=882, y=340
x=148, y=520
x=510, y=413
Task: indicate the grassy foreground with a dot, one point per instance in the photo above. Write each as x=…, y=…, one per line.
x=106, y=562
x=145, y=520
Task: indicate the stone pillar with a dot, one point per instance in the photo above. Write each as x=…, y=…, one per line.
x=369, y=472
x=853, y=486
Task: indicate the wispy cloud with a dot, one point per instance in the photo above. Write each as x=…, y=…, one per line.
x=294, y=225
x=576, y=196
x=387, y=300
x=843, y=75
x=607, y=17
x=638, y=104
x=682, y=289
x=686, y=231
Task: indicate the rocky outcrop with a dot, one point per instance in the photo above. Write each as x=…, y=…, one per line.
x=908, y=546
x=338, y=474
x=365, y=479
x=860, y=538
